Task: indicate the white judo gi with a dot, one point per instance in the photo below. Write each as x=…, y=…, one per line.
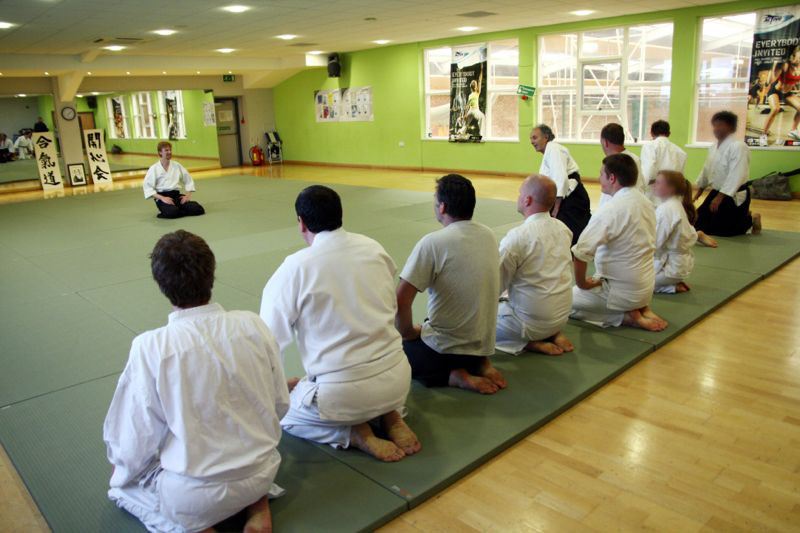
x=727, y=168
x=159, y=180
x=536, y=270
x=657, y=155
x=641, y=184
x=337, y=299
x=621, y=239
x=193, y=428
x=557, y=164
x=675, y=237
x=24, y=147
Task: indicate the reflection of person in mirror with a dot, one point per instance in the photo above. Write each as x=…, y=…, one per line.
x=162, y=183
x=6, y=147
x=23, y=146
x=40, y=126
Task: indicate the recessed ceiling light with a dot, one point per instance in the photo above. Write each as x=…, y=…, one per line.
x=467, y=28
x=95, y=93
x=114, y=48
x=382, y=41
x=165, y=32
x=163, y=72
x=88, y=73
x=316, y=52
x=46, y=73
x=286, y=36
x=128, y=73
x=230, y=72
x=583, y=12
x=226, y=50
x=6, y=25
x=22, y=95
x=236, y=9
x=1, y=73
x=198, y=72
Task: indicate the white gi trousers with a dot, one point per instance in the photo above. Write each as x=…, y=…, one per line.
x=513, y=335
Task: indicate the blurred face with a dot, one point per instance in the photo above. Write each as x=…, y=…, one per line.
x=794, y=59
x=438, y=210
x=522, y=200
x=607, y=181
x=538, y=140
x=721, y=130
x=662, y=189
x=166, y=152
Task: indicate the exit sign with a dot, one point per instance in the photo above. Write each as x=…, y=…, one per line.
x=525, y=90
x=228, y=77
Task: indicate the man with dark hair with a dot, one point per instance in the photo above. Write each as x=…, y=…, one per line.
x=162, y=183
x=458, y=266
x=726, y=209
x=335, y=298
x=659, y=154
x=612, y=141
x=572, y=201
x=193, y=429
x=621, y=240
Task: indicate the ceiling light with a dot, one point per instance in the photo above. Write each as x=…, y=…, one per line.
x=382, y=41
x=88, y=73
x=128, y=73
x=226, y=50
x=583, y=12
x=165, y=32
x=95, y=93
x=114, y=48
x=6, y=25
x=46, y=73
x=316, y=52
x=22, y=95
x=236, y=9
x=198, y=72
x=230, y=72
x=286, y=36
x=163, y=72
x=1, y=73
x=467, y=28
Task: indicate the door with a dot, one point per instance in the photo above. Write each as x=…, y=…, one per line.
x=86, y=119
x=230, y=147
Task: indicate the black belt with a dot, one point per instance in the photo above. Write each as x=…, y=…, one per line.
x=574, y=176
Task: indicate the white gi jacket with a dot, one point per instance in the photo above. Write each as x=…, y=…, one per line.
x=159, y=180
x=557, y=164
x=661, y=154
x=675, y=237
x=727, y=167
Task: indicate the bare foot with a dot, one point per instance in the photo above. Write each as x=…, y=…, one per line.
x=648, y=313
x=259, y=517
x=682, y=287
x=756, y=224
x=490, y=372
x=635, y=319
x=706, y=240
x=545, y=347
x=461, y=379
x=362, y=437
x=292, y=383
x=563, y=342
x=400, y=433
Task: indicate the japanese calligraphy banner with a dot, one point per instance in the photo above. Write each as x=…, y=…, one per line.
x=44, y=149
x=98, y=159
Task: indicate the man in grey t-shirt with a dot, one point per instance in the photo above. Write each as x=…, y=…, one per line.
x=458, y=265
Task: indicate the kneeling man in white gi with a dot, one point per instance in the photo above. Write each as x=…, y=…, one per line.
x=336, y=298
x=621, y=239
x=193, y=428
x=536, y=271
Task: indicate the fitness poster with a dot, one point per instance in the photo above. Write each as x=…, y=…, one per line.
x=773, y=102
x=468, y=93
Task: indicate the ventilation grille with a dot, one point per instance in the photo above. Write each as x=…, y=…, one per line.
x=476, y=14
x=303, y=44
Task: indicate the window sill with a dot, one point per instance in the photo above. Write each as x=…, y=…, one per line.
x=755, y=148
x=481, y=142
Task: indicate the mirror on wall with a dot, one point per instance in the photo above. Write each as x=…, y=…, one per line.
x=20, y=115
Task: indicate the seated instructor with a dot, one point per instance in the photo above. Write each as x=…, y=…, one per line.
x=193, y=429
x=572, y=202
x=726, y=209
x=458, y=266
x=536, y=270
x=336, y=298
x=162, y=183
x=621, y=239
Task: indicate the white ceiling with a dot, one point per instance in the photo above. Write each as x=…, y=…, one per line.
x=64, y=27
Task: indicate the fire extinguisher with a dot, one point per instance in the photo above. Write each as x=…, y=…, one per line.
x=257, y=156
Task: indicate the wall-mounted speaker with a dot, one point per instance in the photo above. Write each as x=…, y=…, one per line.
x=334, y=67
x=91, y=101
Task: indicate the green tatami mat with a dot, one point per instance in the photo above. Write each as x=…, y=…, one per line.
x=459, y=430
x=761, y=254
x=56, y=443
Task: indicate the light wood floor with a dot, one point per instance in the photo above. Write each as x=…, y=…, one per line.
x=703, y=434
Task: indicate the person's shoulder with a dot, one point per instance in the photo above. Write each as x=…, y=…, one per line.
x=149, y=343
x=154, y=166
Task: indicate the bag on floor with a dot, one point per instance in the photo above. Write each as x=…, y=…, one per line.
x=773, y=186
x=116, y=149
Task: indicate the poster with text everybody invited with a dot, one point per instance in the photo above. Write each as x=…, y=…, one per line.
x=467, y=93
x=44, y=150
x=98, y=159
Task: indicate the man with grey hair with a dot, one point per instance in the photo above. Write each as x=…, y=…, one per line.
x=536, y=272
x=572, y=202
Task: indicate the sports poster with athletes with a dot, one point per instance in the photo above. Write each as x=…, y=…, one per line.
x=773, y=103
x=467, y=93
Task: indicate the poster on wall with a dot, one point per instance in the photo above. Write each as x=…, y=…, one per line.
x=171, y=112
x=773, y=103
x=44, y=150
x=209, y=115
x=326, y=103
x=118, y=116
x=467, y=93
x=98, y=159
x=356, y=104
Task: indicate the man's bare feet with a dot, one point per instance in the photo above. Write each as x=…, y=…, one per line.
x=488, y=371
x=545, y=347
x=563, y=342
x=461, y=379
x=400, y=433
x=648, y=313
x=682, y=287
x=259, y=517
x=635, y=319
x=704, y=239
x=362, y=437
x=756, y=224
x=292, y=383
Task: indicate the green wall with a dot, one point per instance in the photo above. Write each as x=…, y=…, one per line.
x=396, y=76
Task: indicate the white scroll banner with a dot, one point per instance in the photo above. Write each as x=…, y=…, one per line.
x=98, y=159
x=44, y=150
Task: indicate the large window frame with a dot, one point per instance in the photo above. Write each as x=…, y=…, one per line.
x=144, y=125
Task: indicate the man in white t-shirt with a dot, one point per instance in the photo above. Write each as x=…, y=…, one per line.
x=162, y=183
x=458, y=265
x=612, y=141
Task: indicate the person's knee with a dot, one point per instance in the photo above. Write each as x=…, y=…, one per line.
x=192, y=209
x=170, y=211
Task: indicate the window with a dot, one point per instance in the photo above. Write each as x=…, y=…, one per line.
x=502, y=116
x=592, y=78
x=723, y=73
x=144, y=126
x=172, y=116
x=117, y=117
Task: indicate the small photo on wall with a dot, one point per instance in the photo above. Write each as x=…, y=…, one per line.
x=77, y=174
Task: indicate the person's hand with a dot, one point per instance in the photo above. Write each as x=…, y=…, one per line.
x=414, y=334
x=167, y=200
x=186, y=197
x=591, y=283
x=714, y=207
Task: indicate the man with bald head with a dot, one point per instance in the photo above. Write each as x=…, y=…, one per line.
x=536, y=271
